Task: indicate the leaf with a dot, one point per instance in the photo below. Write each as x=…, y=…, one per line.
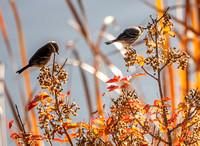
x=112, y=87
x=103, y=94
x=16, y=135
x=115, y=79
x=146, y=108
x=97, y=121
x=126, y=118
x=36, y=137
x=165, y=99
x=139, y=75
x=126, y=79
x=171, y=33
x=68, y=93
x=157, y=103
x=71, y=135
x=32, y=105
x=124, y=86
x=170, y=126
x=11, y=123
x=173, y=118
x=58, y=140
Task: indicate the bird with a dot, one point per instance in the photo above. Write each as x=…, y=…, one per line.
x=42, y=56
x=128, y=36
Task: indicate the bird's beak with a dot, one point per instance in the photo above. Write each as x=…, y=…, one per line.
x=57, y=53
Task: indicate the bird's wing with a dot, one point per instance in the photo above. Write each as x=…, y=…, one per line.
x=128, y=33
x=132, y=32
x=40, y=54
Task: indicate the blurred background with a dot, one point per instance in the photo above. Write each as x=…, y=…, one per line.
x=27, y=25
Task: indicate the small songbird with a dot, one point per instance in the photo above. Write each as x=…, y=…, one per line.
x=129, y=35
x=42, y=56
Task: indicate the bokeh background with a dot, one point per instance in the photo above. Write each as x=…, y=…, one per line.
x=42, y=21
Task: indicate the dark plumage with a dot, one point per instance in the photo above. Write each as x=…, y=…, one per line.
x=128, y=36
x=41, y=56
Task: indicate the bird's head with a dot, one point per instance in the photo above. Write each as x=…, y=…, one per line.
x=54, y=46
x=142, y=28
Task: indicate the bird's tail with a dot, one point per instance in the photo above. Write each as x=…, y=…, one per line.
x=110, y=42
x=21, y=70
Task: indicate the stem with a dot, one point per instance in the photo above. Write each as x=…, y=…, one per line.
x=159, y=81
x=22, y=125
x=148, y=73
x=59, y=115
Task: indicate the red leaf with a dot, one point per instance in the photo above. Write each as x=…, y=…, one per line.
x=11, y=123
x=124, y=86
x=126, y=79
x=32, y=105
x=68, y=93
x=115, y=79
x=103, y=94
x=112, y=87
x=16, y=135
x=172, y=24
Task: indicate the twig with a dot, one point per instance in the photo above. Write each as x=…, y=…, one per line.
x=59, y=114
x=162, y=15
x=22, y=125
x=20, y=120
x=149, y=73
x=62, y=67
x=54, y=55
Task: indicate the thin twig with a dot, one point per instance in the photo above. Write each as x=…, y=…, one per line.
x=60, y=115
x=149, y=73
x=162, y=15
x=62, y=66
x=54, y=55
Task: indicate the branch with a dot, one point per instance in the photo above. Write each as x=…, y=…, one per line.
x=148, y=73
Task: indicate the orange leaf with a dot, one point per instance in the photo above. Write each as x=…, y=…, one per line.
x=171, y=33
x=140, y=60
x=58, y=140
x=167, y=29
x=126, y=118
x=170, y=126
x=190, y=133
x=139, y=75
x=97, y=121
x=157, y=103
x=71, y=135
x=11, y=123
x=36, y=137
x=63, y=95
x=165, y=99
x=32, y=105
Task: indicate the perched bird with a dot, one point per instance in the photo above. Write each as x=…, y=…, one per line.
x=42, y=56
x=128, y=36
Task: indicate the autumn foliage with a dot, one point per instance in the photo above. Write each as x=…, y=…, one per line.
x=129, y=121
